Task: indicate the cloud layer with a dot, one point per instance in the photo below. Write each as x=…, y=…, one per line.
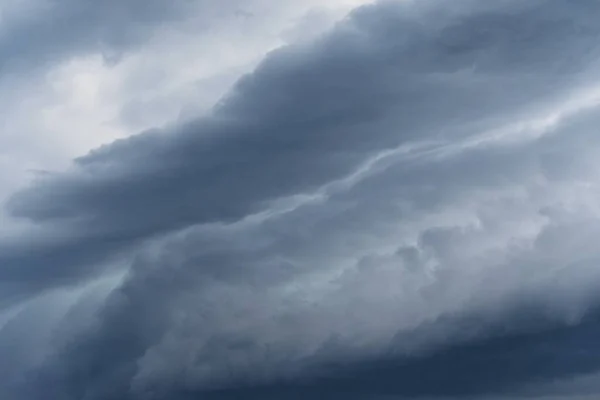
x=406, y=206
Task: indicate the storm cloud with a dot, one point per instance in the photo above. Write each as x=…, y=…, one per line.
x=318, y=111
x=404, y=207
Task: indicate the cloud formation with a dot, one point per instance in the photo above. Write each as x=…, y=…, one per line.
x=404, y=207
x=296, y=107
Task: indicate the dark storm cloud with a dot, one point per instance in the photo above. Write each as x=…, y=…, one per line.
x=389, y=75
x=270, y=262
x=475, y=369
x=219, y=306
x=243, y=333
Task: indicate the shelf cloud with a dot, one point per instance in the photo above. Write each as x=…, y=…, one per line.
x=403, y=206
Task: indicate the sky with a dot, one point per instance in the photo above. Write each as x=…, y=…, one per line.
x=285, y=199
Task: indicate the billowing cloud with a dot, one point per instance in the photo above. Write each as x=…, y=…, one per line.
x=59, y=103
x=406, y=206
x=357, y=83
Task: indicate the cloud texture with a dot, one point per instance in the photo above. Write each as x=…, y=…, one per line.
x=404, y=207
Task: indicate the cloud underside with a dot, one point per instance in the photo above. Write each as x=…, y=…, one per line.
x=405, y=207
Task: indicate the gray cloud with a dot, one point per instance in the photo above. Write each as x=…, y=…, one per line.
x=477, y=369
x=38, y=33
x=380, y=80
x=56, y=29
x=226, y=306
x=379, y=213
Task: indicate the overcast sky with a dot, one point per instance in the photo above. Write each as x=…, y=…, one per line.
x=299, y=199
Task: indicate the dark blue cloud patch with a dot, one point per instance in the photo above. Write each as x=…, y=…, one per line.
x=498, y=364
